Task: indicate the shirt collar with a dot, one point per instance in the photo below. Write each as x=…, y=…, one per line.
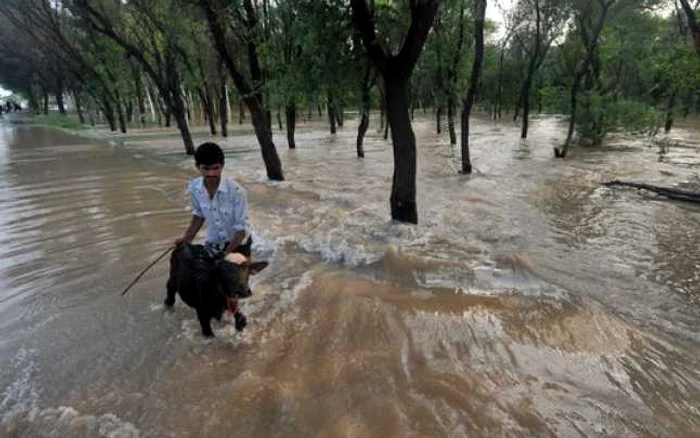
x=223, y=187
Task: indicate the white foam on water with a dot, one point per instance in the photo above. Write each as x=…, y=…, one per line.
x=22, y=394
x=65, y=421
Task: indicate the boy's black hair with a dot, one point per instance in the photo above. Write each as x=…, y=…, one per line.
x=208, y=154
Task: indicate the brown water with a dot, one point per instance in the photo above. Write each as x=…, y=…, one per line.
x=530, y=301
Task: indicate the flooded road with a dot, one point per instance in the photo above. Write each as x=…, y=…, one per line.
x=529, y=301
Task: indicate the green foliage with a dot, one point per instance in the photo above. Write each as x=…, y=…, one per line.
x=57, y=121
x=643, y=60
x=601, y=115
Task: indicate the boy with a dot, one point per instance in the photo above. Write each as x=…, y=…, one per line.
x=223, y=205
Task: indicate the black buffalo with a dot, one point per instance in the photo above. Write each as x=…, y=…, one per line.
x=207, y=283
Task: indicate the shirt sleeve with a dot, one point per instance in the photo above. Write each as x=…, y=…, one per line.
x=240, y=210
x=195, y=208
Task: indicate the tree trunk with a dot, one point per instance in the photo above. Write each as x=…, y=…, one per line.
x=250, y=92
x=279, y=118
x=561, y=153
x=364, y=120
x=438, y=121
x=499, y=96
x=339, y=113
x=525, y=89
x=33, y=99
x=264, y=135
x=46, y=103
x=403, y=190
x=693, y=24
x=120, y=113
x=396, y=73
x=525, y=103
x=331, y=113
x=669, y=112
x=108, y=111
x=208, y=104
x=473, y=82
x=382, y=109
x=241, y=112
x=155, y=114
x=79, y=107
x=168, y=117
x=451, y=119
x=223, y=108
x=291, y=113
x=140, y=102
x=129, y=111
x=60, y=103
x=386, y=125
x=670, y=193
x=180, y=113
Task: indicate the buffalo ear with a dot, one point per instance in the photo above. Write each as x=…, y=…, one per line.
x=256, y=267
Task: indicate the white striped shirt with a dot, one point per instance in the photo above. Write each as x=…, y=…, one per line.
x=225, y=213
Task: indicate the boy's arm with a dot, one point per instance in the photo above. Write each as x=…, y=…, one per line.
x=240, y=219
x=195, y=225
x=236, y=240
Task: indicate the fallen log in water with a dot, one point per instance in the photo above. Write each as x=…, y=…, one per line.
x=676, y=194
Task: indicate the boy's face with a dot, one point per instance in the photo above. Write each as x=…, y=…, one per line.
x=211, y=172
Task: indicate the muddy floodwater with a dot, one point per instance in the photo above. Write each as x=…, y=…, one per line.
x=529, y=301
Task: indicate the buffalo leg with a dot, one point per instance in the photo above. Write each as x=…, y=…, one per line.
x=205, y=322
x=171, y=285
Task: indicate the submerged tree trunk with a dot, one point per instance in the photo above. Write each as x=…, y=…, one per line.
x=499, y=96
x=403, y=190
x=291, y=113
x=250, y=91
x=60, y=103
x=208, y=104
x=364, y=113
x=525, y=103
x=590, y=40
x=671, y=193
x=396, y=74
x=120, y=114
x=339, y=112
x=79, y=106
x=382, y=108
x=168, y=115
x=669, y=112
x=223, y=108
x=180, y=114
x=108, y=112
x=138, y=86
x=561, y=153
x=331, y=113
x=451, y=119
x=261, y=124
x=473, y=82
x=386, y=126
x=438, y=121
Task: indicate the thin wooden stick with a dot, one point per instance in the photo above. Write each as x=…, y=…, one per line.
x=170, y=248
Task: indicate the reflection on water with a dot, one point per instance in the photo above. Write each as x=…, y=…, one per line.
x=530, y=301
